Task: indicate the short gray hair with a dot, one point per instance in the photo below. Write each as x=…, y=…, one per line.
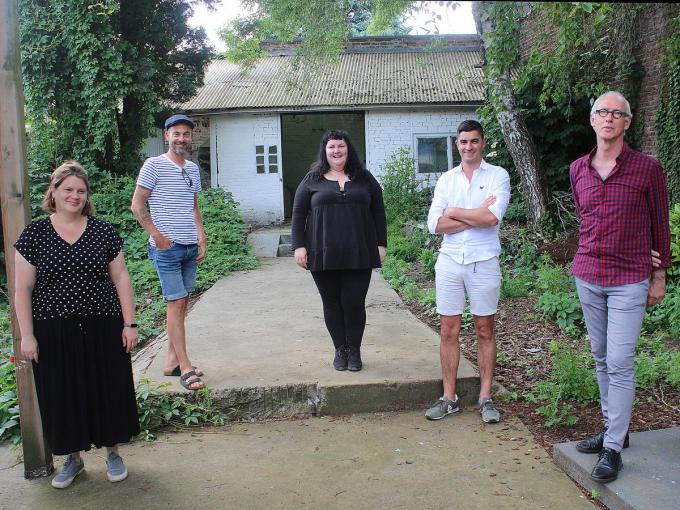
x=612, y=93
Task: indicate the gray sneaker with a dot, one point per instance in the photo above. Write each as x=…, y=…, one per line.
x=442, y=408
x=488, y=411
x=68, y=473
x=115, y=469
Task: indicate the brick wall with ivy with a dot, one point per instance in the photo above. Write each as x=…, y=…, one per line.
x=653, y=27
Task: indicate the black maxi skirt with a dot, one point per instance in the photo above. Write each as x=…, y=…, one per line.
x=84, y=383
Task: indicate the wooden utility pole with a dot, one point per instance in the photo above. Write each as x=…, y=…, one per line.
x=14, y=201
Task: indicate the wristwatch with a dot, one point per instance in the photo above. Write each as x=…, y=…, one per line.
x=130, y=324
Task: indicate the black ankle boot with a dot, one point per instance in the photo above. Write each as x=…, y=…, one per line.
x=354, y=363
x=340, y=360
x=594, y=444
x=608, y=465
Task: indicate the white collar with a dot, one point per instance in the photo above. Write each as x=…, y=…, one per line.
x=482, y=166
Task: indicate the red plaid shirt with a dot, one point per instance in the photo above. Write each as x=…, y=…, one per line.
x=621, y=218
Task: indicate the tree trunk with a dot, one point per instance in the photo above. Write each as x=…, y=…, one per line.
x=515, y=133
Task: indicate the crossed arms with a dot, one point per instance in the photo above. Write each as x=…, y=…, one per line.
x=443, y=219
x=457, y=219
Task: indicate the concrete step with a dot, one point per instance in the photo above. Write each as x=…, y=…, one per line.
x=650, y=477
x=285, y=239
x=316, y=399
x=284, y=250
x=261, y=340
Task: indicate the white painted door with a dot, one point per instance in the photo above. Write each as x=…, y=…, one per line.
x=249, y=164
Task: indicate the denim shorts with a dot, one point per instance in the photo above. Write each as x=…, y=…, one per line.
x=176, y=268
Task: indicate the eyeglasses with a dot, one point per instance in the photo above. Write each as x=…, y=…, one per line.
x=617, y=114
x=187, y=178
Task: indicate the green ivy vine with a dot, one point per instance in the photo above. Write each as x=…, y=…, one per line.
x=590, y=51
x=668, y=114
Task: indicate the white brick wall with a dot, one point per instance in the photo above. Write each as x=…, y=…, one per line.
x=233, y=141
x=234, y=137
x=388, y=130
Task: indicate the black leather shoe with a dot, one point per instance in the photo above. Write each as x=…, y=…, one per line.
x=340, y=360
x=608, y=465
x=354, y=363
x=594, y=444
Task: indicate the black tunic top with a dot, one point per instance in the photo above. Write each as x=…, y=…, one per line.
x=339, y=229
x=71, y=279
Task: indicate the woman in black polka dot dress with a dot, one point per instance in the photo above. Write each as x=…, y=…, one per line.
x=75, y=307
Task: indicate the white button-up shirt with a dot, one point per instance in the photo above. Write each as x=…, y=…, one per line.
x=454, y=190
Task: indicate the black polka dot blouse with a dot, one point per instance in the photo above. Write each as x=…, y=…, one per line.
x=71, y=279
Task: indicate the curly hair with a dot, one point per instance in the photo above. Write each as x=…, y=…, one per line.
x=354, y=168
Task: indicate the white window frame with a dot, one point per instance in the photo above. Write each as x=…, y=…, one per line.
x=452, y=159
x=266, y=159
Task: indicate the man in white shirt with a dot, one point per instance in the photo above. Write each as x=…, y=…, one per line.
x=468, y=205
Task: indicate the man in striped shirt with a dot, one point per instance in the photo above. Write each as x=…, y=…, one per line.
x=169, y=183
x=622, y=203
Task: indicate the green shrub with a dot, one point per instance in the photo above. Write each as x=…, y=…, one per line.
x=157, y=409
x=572, y=370
x=555, y=411
x=648, y=369
x=404, y=196
x=666, y=315
x=519, y=256
x=514, y=287
x=552, y=278
x=675, y=239
x=428, y=300
x=9, y=401
x=394, y=271
x=673, y=376
x=428, y=258
x=564, y=308
x=402, y=247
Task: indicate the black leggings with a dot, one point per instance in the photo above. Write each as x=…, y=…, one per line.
x=343, y=293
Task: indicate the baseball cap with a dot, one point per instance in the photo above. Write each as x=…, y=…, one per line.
x=178, y=119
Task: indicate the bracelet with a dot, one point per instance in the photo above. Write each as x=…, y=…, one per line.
x=130, y=324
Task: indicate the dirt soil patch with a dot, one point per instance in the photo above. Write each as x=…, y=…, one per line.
x=523, y=336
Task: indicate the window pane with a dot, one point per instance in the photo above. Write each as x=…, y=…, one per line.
x=272, y=149
x=260, y=169
x=259, y=149
x=455, y=155
x=432, y=155
x=273, y=169
x=259, y=160
x=272, y=159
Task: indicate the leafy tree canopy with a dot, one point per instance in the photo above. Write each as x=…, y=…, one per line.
x=320, y=26
x=96, y=74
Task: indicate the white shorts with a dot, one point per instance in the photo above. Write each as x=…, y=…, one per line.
x=481, y=281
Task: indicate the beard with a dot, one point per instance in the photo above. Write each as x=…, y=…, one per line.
x=179, y=148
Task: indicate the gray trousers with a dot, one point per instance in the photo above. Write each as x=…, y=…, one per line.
x=613, y=318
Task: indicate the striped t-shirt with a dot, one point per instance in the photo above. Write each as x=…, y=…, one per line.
x=171, y=200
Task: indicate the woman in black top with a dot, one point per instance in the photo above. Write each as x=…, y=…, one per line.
x=340, y=234
x=75, y=307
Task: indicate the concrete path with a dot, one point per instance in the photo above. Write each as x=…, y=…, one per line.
x=261, y=340
x=392, y=460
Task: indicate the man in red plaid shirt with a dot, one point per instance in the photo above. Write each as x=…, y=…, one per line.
x=622, y=203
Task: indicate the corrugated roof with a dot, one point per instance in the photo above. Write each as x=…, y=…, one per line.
x=359, y=79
